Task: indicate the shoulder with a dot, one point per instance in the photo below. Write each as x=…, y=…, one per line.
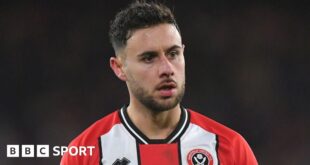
x=100, y=127
x=211, y=125
x=90, y=138
x=232, y=147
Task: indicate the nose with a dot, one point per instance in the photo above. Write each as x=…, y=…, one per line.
x=165, y=68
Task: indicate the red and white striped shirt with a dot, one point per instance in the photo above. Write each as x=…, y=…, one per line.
x=197, y=140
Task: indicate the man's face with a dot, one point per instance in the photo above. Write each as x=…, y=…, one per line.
x=154, y=67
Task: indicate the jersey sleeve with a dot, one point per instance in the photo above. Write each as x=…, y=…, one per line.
x=90, y=138
x=87, y=157
x=232, y=148
x=243, y=154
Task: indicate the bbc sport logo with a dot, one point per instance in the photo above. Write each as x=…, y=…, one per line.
x=43, y=151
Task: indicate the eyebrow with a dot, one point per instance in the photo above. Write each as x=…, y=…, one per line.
x=155, y=52
x=173, y=47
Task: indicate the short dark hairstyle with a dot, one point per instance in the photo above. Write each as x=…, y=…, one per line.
x=136, y=16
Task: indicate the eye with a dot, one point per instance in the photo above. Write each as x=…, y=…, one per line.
x=148, y=57
x=172, y=54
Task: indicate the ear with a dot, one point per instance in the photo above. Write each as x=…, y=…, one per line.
x=117, y=67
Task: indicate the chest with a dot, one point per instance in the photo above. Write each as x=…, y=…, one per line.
x=195, y=146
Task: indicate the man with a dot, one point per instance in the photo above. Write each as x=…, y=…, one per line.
x=154, y=128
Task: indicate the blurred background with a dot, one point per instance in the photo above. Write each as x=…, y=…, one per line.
x=247, y=64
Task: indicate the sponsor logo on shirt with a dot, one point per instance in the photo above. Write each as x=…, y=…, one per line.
x=123, y=161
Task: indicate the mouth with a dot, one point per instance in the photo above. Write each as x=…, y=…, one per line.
x=167, y=89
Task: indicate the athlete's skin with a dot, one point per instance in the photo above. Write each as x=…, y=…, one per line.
x=153, y=59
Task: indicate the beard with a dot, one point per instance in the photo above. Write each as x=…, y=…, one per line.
x=156, y=105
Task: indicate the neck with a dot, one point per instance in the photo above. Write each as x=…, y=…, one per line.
x=154, y=125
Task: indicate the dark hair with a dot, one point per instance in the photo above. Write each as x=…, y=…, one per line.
x=138, y=15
